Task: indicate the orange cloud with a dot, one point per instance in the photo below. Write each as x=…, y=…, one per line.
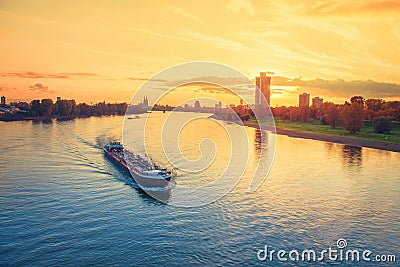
x=36, y=75
x=81, y=74
x=41, y=88
x=145, y=79
x=340, y=87
x=33, y=75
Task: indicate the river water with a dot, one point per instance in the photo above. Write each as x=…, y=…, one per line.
x=63, y=203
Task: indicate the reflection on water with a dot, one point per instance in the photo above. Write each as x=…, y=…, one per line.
x=42, y=120
x=259, y=141
x=328, y=146
x=63, y=203
x=352, y=155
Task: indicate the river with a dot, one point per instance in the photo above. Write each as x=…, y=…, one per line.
x=63, y=203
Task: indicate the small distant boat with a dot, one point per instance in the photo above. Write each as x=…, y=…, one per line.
x=131, y=118
x=143, y=171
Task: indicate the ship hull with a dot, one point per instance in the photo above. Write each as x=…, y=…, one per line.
x=142, y=180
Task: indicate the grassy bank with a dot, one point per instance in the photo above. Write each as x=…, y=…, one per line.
x=367, y=132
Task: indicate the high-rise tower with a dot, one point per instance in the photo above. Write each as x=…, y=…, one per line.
x=304, y=100
x=263, y=82
x=317, y=101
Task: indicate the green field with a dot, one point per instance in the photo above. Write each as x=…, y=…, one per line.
x=315, y=126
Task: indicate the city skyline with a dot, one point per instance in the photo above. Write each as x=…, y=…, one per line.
x=353, y=50
x=303, y=100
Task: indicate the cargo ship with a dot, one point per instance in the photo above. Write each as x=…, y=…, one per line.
x=145, y=173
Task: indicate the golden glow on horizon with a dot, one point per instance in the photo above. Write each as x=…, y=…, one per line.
x=92, y=51
x=208, y=95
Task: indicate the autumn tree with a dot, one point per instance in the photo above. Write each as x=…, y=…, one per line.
x=304, y=113
x=332, y=115
x=314, y=114
x=293, y=114
x=282, y=112
x=84, y=109
x=352, y=117
x=359, y=100
x=46, y=107
x=373, y=106
x=35, y=107
x=66, y=107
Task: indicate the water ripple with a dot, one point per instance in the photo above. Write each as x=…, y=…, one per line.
x=63, y=203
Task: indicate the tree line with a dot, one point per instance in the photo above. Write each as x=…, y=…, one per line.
x=351, y=115
x=68, y=108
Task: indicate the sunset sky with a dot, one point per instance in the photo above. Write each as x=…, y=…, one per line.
x=103, y=50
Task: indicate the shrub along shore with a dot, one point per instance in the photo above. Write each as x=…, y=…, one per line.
x=314, y=130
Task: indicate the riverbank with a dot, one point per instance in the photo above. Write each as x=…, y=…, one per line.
x=346, y=140
x=43, y=118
